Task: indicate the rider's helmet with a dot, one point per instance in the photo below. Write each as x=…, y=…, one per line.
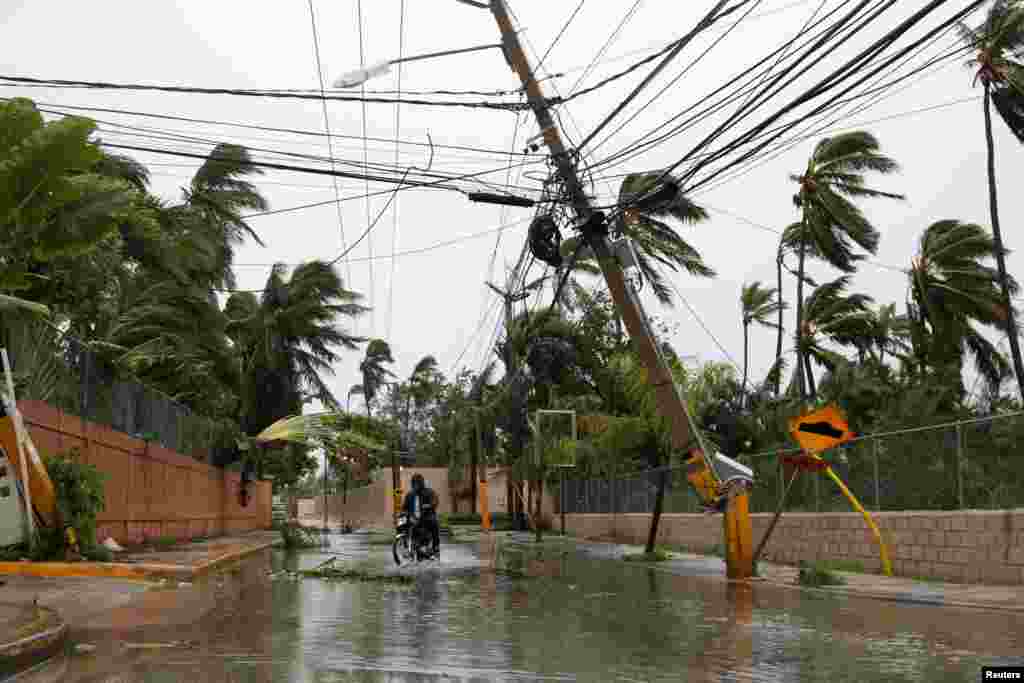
x=417, y=482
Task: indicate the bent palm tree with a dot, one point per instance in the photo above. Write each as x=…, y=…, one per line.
x=832, y=315
x=375, y=375
x=217, y=196
x=831, y=224
x=648, y=200
x=289, y=339
x=890, y=333
x=757, y=304
x=999, y=42
x=951, y=290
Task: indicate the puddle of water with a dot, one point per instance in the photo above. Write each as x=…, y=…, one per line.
x=580, y=616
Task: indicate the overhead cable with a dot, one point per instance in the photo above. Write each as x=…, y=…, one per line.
x=101, y=85
x=327, y=129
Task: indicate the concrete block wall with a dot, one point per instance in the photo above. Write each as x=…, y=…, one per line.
x=150, y=490
x=973, y=546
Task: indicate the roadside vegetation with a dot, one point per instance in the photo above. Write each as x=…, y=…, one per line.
x=92, y=256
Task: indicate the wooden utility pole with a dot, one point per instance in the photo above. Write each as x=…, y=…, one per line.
x=670, y=401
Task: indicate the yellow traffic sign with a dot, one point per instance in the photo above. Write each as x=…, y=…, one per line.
x=820, y=430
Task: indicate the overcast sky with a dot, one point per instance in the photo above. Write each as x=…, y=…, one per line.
x=439, y=295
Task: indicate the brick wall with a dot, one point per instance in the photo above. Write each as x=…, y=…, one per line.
x=970, y=546
x=150, y=490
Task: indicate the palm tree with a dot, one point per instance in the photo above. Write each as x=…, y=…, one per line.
x=757, y=303
x=951, y=290
x=289, y=339
x=999, y=42
x=890, y=332
x=648, y=200
x=831, y=224
x=832, y=316
x=375, y=375
x=215, y=201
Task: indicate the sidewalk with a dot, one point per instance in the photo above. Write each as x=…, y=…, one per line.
x=89, y=597
x=183, y=562
x=29, y=634
x=858, y=585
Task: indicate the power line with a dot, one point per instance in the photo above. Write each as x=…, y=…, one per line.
x=394, y=213
x=845, y=72
x=604, y=48
x=700, y=321
x=327, y=129
x=560, y=33
x=412, y=252
x=678, y=77
x=101, y=85
x=711, y=17
x=293, y=131
x=316, y=171
x=712, y=105
x=366, y=183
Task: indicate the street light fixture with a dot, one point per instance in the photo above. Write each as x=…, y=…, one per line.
x=360, y=76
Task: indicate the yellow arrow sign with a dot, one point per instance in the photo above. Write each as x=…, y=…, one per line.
x=820, y=430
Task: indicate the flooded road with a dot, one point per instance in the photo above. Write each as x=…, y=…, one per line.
x=579, y=613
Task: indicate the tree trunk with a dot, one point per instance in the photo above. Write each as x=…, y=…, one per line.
x=659, y=500
x=997, y=237
x=811, y=391
x=473, y=485
x=800, y=313
x=746, y=360
x=537, y=508
x=778, y=343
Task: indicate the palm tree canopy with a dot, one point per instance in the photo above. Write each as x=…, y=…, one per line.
x=833, y=225
x=949, y=278
x=999, y=45
x=648, y=200
x=759, y=303
x=951, y=288
x=832, y=315
x=372, y=367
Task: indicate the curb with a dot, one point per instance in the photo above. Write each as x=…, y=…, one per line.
x=32, y=650
x=120, y=570
x=888, y=597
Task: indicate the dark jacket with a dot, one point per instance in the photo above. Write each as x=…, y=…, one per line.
x=428, y=503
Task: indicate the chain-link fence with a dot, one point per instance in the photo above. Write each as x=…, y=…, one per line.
x=66, y=374
x=973, y=464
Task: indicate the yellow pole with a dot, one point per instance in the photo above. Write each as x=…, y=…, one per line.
x=739, y=556
x=883, y=550
x=485, y=513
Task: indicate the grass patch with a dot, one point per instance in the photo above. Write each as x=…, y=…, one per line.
x=294, y=537
x=163, y=542
x=851, y=566
x=818, y=575
x=928, y=579
x=332, y=573
x=658, y=555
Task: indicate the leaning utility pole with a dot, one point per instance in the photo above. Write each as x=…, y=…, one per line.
x=700, y=467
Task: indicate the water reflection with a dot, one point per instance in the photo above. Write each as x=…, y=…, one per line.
x=575, y=618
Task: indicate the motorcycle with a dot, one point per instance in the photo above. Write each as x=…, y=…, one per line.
x=412, y=542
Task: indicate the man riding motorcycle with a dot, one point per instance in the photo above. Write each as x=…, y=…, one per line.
x=421, y=505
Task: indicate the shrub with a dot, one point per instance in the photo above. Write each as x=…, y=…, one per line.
x=78, y=488
x=817, y=575
x=659, y=555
